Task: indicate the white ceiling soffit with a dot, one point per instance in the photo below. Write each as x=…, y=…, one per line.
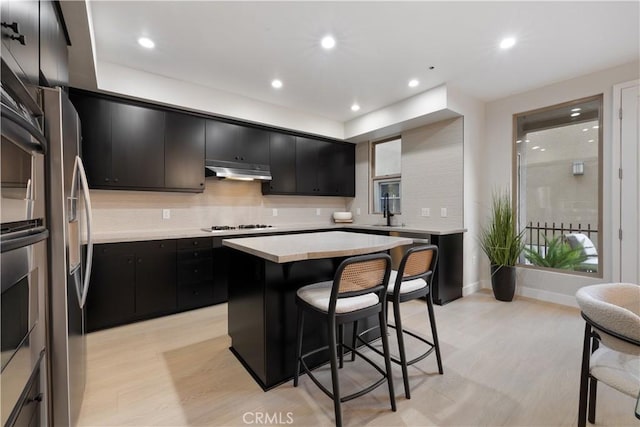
x=239, y=47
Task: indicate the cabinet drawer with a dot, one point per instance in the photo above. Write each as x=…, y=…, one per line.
x=194, y=255
x=156, y=246
x=196, y=242
x=195, y=295
x=195, y=271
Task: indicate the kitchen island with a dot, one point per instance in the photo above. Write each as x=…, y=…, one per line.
x=264, y=275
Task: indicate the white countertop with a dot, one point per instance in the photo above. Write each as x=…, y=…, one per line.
x=328, y=244
x=187, y=233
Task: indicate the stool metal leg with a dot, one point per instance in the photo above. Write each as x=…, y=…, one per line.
x=584, y=377
x=387, y=359
x=434, y=332
x=403, y=356
x=593, y=389
x=354, y=339
x=334, y=372
x=341, y=335
x=299, y=344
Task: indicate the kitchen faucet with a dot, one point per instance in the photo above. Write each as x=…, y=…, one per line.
x=386, y=211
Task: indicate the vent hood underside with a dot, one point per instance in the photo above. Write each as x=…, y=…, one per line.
x=236, y=170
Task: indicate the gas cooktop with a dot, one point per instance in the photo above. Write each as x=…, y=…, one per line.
x=215, y=228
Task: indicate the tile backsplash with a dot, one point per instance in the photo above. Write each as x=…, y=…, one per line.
x=222, y=203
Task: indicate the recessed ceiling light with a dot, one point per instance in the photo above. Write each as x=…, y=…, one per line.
x=585, y=129
x=507, y=43
x=596, y=126
x=576, y=109
x=575, y=114
x=543, y=149
x=518, y=141
x=146, y=42
x=591, y=140
x=355, y=107
x=535, y=147
x=277, y=84
x=526, y=140
x=413, y=83
x=328, y=42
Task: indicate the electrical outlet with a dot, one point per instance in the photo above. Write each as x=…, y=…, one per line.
x=318, y=212
x=443, y=212
x=274, y=212
x=357, y=211
x=166, y=213
x=426, y=212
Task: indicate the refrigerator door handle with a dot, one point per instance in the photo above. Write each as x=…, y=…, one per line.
x=87, y=208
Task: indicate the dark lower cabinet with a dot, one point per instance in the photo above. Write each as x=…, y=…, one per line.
x=140, y=280
x=155, y=277
x=111, y=297
x=131, y=281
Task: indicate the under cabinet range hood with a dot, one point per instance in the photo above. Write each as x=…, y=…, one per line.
x=237, y=170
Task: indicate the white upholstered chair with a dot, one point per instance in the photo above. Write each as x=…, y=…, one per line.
x=611, y=351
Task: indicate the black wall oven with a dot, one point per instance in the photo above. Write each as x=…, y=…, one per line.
x=23, y=253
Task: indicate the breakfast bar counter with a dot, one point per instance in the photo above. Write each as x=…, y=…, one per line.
x=264, y=274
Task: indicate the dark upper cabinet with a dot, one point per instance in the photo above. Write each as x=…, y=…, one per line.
x=20, y=37
x=234, y=143
x=53, y=47
x=137, y=144
x=184, y=142
x=282, y=158
x=95, y=122
x=307, y=166
x=324, y=168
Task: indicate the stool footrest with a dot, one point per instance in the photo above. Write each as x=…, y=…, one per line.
x=395, y=359
x=354, y=395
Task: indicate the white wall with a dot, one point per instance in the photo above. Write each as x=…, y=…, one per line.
x=124, y=81
x=496, y=158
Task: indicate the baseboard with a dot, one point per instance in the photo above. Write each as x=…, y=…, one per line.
x=542, y=295
x=471, y=288
x=538, y=294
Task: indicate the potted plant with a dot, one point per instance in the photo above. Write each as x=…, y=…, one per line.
x=503, y=245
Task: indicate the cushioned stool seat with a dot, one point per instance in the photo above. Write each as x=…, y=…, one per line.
x=611, y=348
x=319, y=296
x=406, y=285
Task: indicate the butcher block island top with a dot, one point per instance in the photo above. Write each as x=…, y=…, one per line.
x=304, y=246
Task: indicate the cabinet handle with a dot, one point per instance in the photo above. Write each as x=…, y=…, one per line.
x=19, y=38
x=139, y=260
x=106, y=180
x=195, y=270
x=195, y=254
x=237, y=158
x=115, y=179
x=241, y=158
x=13, y=27
x=162, y=245
x=36, y=398
x=195, y=243
x=201, y=184
x=129, y=261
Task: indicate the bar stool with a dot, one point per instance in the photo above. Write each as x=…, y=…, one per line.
x=356, y=292
x=411, y=281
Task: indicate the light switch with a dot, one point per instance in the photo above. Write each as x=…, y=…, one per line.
x=426, y=212
x=274, y=212
x=357, y=211
x=166, y=213
x=443, y=212
x=318, y=212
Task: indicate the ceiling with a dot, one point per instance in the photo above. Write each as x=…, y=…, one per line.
x=239, y=47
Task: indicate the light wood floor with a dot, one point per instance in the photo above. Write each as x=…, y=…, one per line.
x=505, y=364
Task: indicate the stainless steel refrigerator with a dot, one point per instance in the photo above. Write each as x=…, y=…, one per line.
x=70, y=254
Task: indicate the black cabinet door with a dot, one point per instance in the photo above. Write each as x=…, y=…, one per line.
x=184, y=142
x=337, y=170
x=111, y=296
x=53, y=47
x=347, y=163
x=253, y=145
x=222, y=141
x=306, y=165
x=137, y=138
x=282, y=158
x=95, y=123
x=20, y=35
x=328, y=172
x=155, y=277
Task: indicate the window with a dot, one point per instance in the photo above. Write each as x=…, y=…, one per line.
x=559, y=185
x=385, y=174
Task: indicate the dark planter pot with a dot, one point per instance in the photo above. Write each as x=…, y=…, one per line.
x=503, y=282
